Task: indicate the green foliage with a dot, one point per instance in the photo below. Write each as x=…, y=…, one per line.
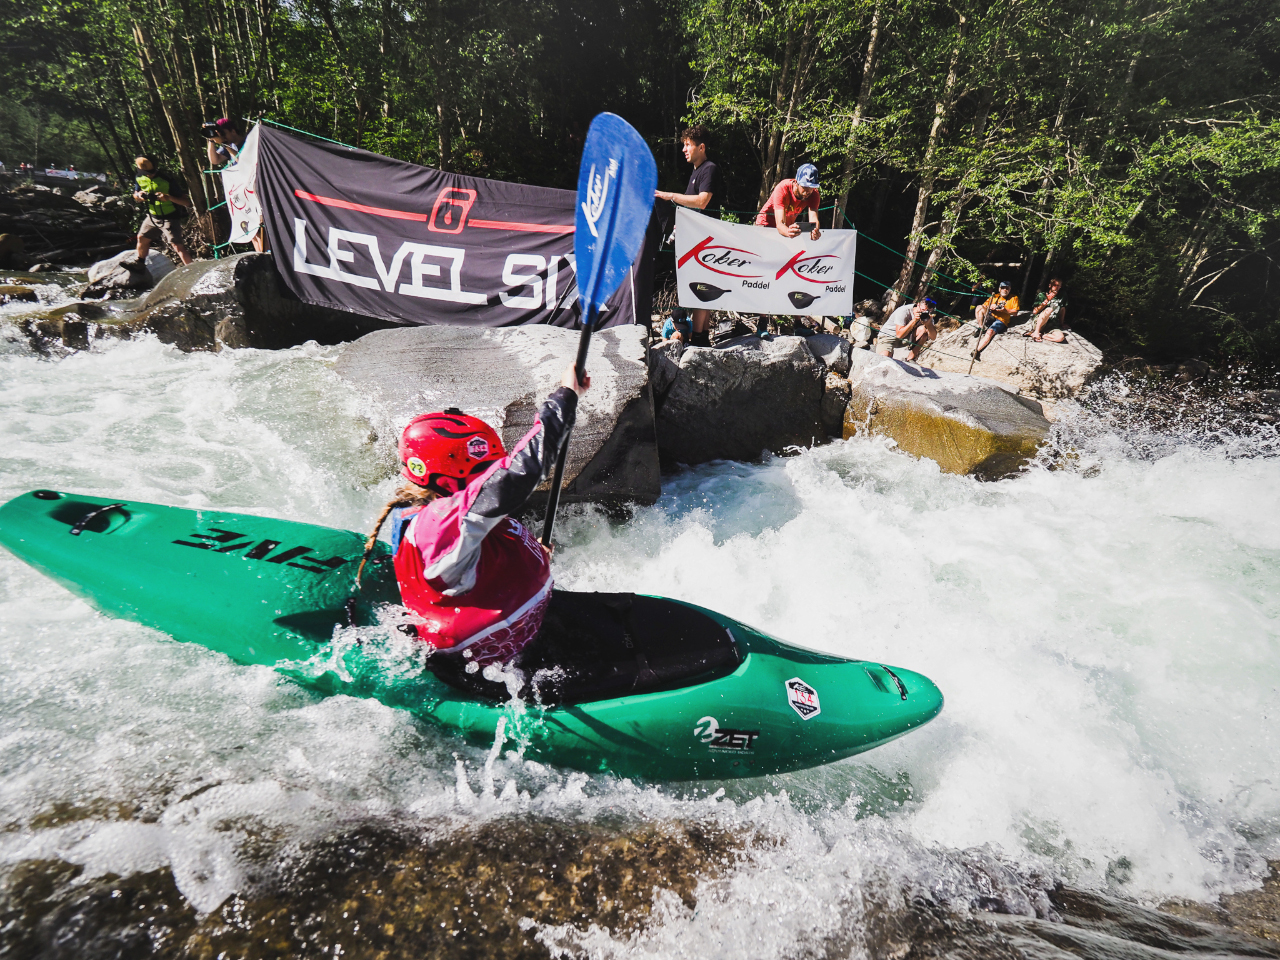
x=1127, y=145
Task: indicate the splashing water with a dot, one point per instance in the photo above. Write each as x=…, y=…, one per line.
x=1105, y=627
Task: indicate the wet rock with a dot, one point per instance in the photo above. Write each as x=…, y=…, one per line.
x=379, y=890
x=967, y=425
x=836, y=394
x=121, y=272
x=832, y=350
x=735, y=401
x=1045, y=370
x=238, y=302
x=503, y=375
x=10, y=292
x=664, y=367
x=11, y=248
x=63, y=326
x=40, y=268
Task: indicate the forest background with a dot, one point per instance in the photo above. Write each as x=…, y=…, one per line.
x=1129, y=146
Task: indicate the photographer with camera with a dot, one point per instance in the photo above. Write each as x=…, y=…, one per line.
x=163, y=195
x=223, y=140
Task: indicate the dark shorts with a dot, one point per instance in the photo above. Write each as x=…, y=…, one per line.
x=998, y=326
x=170, y=228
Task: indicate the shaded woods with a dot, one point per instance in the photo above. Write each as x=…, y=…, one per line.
x=1130, y=147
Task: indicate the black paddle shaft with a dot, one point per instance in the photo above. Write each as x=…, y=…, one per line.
x=580, y=369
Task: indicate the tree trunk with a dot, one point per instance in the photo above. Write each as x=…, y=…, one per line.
x=154, y=68
x=799, y=74
x=775, y=135
x=951, y=219
x=859, y=111
x=941, y=110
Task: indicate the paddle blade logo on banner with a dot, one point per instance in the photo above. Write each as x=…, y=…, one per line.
x=734, y=266
x=615, y=195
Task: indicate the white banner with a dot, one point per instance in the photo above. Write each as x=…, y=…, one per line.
x=240, y=183
x=735, y=266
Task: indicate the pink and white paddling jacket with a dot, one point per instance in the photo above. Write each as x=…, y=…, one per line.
x=479, y=580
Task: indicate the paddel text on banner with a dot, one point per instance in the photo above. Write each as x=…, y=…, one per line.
x=734, y=266
x=384, y=238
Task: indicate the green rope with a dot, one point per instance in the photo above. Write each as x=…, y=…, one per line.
x=308, y=133
x=217, y=205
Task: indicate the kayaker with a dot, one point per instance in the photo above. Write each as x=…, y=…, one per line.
x=478, y=581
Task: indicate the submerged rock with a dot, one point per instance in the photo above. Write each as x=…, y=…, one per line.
x=967, y=425
x=378, y=890
x=503, y=375
x=735, y=401
x=1045, y=370
x=10, y=292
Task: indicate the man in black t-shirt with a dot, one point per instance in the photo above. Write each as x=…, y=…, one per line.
x=704, y=193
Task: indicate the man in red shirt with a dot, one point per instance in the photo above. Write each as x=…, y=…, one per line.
x=789, y=197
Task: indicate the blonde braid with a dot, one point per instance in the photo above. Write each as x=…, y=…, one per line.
x=408, y=495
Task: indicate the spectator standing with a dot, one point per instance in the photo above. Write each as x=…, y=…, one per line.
x=788, y=199
x=994, y=313
x=910, y=326
x=166, y=208
x=1049, y=315
x=705, y=192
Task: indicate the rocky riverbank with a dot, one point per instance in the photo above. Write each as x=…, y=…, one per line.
x=43, y=227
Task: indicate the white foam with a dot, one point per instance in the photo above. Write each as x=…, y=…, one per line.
x=1106, y=639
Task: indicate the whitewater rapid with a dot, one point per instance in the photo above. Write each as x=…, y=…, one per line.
x=1105, y=628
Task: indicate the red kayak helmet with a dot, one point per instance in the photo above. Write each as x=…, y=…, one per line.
x=443, y=451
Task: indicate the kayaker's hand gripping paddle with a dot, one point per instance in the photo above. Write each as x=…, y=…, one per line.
x=615, y=195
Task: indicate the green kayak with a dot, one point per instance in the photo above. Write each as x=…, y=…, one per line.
x=648, y=687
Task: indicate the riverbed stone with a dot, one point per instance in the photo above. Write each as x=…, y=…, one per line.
x=503, y=374
x=238, y=301
x=967, y=425
x=832, y=350
x=121, y=276
x=1045, y=370
x=836, y=393
x=9, y=292
x=738, y=399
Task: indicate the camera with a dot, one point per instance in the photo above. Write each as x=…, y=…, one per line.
x=148, y=196
x=210, y=130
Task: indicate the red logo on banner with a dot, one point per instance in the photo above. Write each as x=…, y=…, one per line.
x=727, y=257
x=810, y=268
x=451, y=209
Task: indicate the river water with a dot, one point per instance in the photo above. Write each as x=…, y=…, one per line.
x=1105, y=627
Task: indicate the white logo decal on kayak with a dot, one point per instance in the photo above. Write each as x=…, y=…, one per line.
x=717, y=737
x=803, y=699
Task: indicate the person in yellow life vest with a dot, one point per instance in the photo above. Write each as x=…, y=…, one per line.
x=994, y=313
x=161, y=193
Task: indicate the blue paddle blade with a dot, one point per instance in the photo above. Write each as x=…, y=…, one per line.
x=615, y=195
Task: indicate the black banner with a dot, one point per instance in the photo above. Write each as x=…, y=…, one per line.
x=361, y=232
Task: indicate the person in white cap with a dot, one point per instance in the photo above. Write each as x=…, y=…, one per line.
x=783, y=207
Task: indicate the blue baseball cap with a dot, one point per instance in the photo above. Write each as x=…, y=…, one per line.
x=807, y=175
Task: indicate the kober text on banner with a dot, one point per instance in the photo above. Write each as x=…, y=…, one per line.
x=733, y=266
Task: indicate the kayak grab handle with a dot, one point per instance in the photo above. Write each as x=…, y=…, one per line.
x=84, y=521
x=901, y=686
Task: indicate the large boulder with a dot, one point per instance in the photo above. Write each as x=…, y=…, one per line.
x=968, y=425
x=123, y=276
x=503, y=374
x=736, y=400
x=238, y=302
x=1046, y=370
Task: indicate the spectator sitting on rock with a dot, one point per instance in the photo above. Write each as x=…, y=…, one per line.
x=166, y=209
x=1049, y=315
x=223, y=139
x=994, y=314
x=787, y=200
x=911, y=326
x=865, y=323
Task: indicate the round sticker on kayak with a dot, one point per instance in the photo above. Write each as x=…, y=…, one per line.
x=478, y=448
x=803, y=699
x=416, y=467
